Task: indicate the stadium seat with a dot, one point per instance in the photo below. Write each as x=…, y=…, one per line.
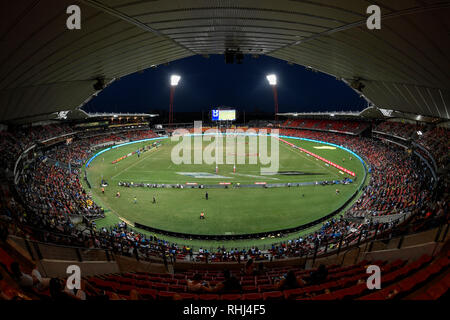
x=188, y=296
x=147, y=293
x=252, y=296
x=273, y=295
x=292, y=293
x=231, y=297
x=177, y=288
x=160, y=286
x=248, y=282
x=249, y=289
x=166, y=295
x=208, y=297
x=266, y=287
x=125, y=289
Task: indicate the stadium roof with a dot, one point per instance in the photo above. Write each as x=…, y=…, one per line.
x=368, y=113
x=45, y=67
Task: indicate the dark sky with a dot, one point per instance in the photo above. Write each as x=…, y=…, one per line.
x=209, y=82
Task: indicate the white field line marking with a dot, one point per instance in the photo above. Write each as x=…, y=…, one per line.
x=253, y=176
x=308, y=158
x=137, y=162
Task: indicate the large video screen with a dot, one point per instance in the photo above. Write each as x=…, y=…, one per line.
x=224, y=115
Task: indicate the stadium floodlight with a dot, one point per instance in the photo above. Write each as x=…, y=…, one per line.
x=174, y=79
x=272, y=79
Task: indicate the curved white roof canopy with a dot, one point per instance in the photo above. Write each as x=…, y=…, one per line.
x=44, y=67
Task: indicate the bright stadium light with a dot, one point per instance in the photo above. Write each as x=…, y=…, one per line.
x=174, y=79
x=272, y=79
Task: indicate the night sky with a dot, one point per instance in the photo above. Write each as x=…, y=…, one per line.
x=209, y=82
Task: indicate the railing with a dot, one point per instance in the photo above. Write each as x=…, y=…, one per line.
x=39, y=251
x=436, y=232
x=384, y=240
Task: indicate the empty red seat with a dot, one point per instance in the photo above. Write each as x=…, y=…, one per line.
x=407, y=284
x=266, y=287
x=166, y=295
x=188, y=296
x=249, y=289
x=329, y=296
x=160, y=286
x=208, y=297
x=141, y=284
x=248, y=282
x=125, y=289
x=262, y=281
x=170, y=281
x=164, y=275
x=107, y=285
x=437, y=290
x=311, y=289
x=177, y=288
x=378, y=295
x=156, y=279
x=252, y=296
x=273, y=295
x=293, y=293
x=147, y=293
x=231, y=296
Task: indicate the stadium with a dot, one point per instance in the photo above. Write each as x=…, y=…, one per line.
x=224, y=205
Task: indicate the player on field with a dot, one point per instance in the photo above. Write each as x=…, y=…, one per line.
x=154, y=200
x=135, y=199
x=202, y=215
x=206, y=195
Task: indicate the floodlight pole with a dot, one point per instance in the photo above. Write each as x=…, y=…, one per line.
x=272, y=78
x=275, y=99
x=172, y=92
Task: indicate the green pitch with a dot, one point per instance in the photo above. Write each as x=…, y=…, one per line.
x=227, y=211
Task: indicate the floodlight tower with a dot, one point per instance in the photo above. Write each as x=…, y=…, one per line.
x=174, y=79
x=272, y=78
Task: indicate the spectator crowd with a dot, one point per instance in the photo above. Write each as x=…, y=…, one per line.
x=52, y=195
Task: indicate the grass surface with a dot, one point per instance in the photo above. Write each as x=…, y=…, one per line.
x=228, y=211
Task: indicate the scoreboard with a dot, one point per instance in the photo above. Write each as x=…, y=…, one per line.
x=223, y=115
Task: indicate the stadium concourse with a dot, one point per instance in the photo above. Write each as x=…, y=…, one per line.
x=48, y=196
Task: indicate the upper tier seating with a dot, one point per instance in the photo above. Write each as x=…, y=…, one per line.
x=344, y=126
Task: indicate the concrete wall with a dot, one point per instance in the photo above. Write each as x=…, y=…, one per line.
x=57, y=268
x=410, y=253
